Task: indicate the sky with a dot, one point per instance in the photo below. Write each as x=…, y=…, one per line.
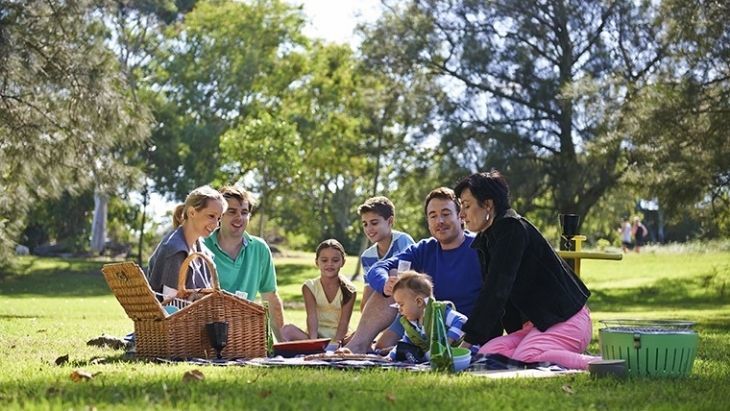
x=335, y=20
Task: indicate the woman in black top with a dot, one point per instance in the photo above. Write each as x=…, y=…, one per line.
x=522, y=272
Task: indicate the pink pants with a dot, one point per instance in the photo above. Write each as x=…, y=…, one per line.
x=561, y=344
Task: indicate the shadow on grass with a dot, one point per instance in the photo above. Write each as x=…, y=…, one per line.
x=54, y=277
x=664, y=294
x=83, y=278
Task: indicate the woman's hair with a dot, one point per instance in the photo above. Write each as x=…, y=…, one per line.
x=348, y=290
x=420, y=284
x=487, y=186
x=198, y=200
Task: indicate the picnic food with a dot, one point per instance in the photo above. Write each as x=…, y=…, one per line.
x=344, y=356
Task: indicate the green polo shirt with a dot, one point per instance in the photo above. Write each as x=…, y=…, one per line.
x=253, y=269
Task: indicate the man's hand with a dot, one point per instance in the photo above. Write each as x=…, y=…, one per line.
x=388, y=287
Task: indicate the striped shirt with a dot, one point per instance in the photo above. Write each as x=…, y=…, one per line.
x=398, y=242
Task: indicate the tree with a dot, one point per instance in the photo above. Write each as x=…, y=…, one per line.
x=325, y=108
x=680, y=123
x=138, y=28
x=63, y=106
x=266, y=150
x=222, y=65
x=536, y=88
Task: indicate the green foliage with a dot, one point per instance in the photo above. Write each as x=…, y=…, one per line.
x=65, y=115
x=71, y=232
x=266, y=149
x=689, y=170
x=219, y=67
x=680, y=121
x=585, y=106
x=326, y=109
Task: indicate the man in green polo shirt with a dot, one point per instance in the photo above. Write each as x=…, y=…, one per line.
x=244, y=261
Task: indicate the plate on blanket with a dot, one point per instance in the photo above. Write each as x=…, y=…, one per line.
x=301, y=347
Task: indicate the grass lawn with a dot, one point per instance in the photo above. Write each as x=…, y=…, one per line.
x=51, y=307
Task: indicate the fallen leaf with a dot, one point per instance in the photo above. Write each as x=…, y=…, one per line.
x=97, y=360
x=264, y=393
x=568, y=389
x=62, y=360
x=81, y=375
x=193, y=375
x=390, y=397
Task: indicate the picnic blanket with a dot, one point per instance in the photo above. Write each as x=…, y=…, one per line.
x=491, y=366
x=329, y=359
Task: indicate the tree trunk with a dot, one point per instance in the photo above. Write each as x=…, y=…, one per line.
x=262, y=214
x=98, y=224
x=140, y=245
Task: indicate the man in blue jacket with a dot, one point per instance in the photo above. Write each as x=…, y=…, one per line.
x=447, y=257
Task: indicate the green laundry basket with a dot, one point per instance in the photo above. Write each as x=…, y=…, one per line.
x=656, y=348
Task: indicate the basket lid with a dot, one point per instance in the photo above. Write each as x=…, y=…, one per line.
x=129, y=285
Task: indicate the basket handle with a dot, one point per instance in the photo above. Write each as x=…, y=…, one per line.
x=182, y=275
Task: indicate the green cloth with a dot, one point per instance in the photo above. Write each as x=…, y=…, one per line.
x=251, y=271
x=440, y=354
x=421, y=341
x=414, y=335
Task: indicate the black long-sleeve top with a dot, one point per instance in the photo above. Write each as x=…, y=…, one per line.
x=521, y=270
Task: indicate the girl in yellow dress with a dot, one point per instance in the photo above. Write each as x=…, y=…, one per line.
x=328, y=299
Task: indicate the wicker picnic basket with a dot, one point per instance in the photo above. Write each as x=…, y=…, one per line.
x=182, y=334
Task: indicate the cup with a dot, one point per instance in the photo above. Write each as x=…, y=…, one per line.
x=569, y=224
x=218, y=336
x=403, y=265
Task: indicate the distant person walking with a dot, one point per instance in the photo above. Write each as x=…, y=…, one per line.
x=640, y=233
x=626, y=233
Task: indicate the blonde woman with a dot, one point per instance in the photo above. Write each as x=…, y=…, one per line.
x=193, y=221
